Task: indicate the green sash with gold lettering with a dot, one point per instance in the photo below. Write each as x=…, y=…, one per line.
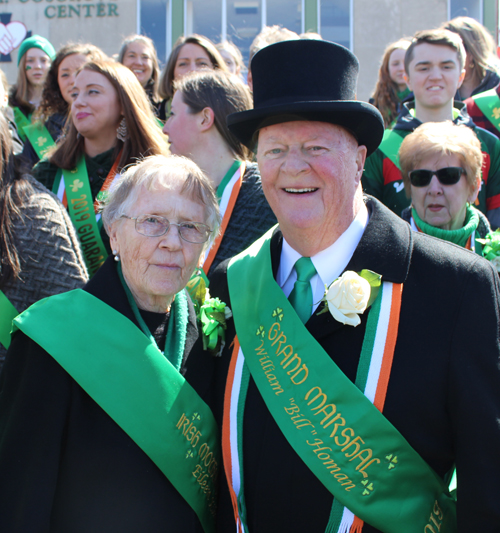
x=7, y=314
x=348, y=444
x=137, y=386
x=489, y=105
x=82, y=214
x=40, y=138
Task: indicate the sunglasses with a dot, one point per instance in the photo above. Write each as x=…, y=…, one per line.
x=446, y=176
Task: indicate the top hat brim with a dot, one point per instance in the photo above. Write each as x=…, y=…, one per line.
x=363, y=120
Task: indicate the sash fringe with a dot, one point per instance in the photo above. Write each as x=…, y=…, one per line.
x=346, y=522
x=357, y=525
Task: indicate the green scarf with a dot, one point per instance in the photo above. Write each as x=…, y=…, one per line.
x=456, y=236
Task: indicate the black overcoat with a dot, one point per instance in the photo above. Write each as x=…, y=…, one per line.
x=65, y=465
x=443, y=394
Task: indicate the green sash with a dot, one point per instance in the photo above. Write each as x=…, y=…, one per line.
x=21, y=122
x=489, y=105
x=40, y=138
x=7, y=313
x=341, y=436
x=390, y=146
x=126, y=374
x=81, y=212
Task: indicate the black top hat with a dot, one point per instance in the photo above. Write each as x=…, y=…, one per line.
x=308, y=80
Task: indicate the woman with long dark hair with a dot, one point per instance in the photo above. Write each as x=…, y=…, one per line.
x=189, y=54
x=111, y=126
x=391, y=88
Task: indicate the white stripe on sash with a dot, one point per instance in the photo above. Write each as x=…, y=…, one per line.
x=228, y=189
x=233, y=423
x=379, y=344
x=61, y=189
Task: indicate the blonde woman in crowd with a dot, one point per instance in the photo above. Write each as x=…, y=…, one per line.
x=232, y=56
x=138, y=53
x=34, y=57
x=482, y=67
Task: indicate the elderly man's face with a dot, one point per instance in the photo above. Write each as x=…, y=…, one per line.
x=310, y=174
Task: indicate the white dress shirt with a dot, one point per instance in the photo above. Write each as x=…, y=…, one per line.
x=329, y=263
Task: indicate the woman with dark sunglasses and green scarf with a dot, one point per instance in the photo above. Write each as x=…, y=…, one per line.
x=441, y=167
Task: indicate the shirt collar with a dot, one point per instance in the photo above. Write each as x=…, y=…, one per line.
x=331, y=261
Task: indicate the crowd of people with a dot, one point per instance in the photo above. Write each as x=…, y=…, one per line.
x=253, y=303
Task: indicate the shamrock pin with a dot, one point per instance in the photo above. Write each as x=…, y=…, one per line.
x=189, y=454
x=392, y=460
x=278, y=312
x=368, y=487
x=196, y=416
x=260, y=331
x=77, y=184
x=496, y=112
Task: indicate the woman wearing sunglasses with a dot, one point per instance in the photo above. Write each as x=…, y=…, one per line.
x=441, y=168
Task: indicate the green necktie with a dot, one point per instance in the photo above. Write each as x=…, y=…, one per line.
x=301, y=297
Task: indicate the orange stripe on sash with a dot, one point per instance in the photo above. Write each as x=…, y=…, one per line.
x=108, y=181
x=385, y=370
x=390, y=345
x=226, y=433
x=225, y=221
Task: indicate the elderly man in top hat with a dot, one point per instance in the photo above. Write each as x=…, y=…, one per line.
x=364, y=367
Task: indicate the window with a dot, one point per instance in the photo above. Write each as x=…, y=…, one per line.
x=286, y=13
x=244, y=22
x=153, y=24
x=335, y=21
x=204, y=17
x=466, y=8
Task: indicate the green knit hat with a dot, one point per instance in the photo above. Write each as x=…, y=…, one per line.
x=35, y=41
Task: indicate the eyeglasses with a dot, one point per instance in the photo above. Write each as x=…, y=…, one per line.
x=446, y=176
x=156, y=226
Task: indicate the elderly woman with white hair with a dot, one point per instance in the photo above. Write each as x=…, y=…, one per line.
x=104, y=420
x=441, y=167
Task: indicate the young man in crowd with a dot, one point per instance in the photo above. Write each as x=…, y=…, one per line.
x=434, y=65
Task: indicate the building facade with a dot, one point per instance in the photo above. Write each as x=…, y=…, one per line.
x=364, y=26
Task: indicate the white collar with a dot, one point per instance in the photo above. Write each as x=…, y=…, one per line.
x=329, y=263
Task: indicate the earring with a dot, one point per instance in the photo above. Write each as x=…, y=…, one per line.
x=121, y=132
x=116, y=255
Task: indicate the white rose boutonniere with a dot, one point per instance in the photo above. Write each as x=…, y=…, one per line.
x=350, y=295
